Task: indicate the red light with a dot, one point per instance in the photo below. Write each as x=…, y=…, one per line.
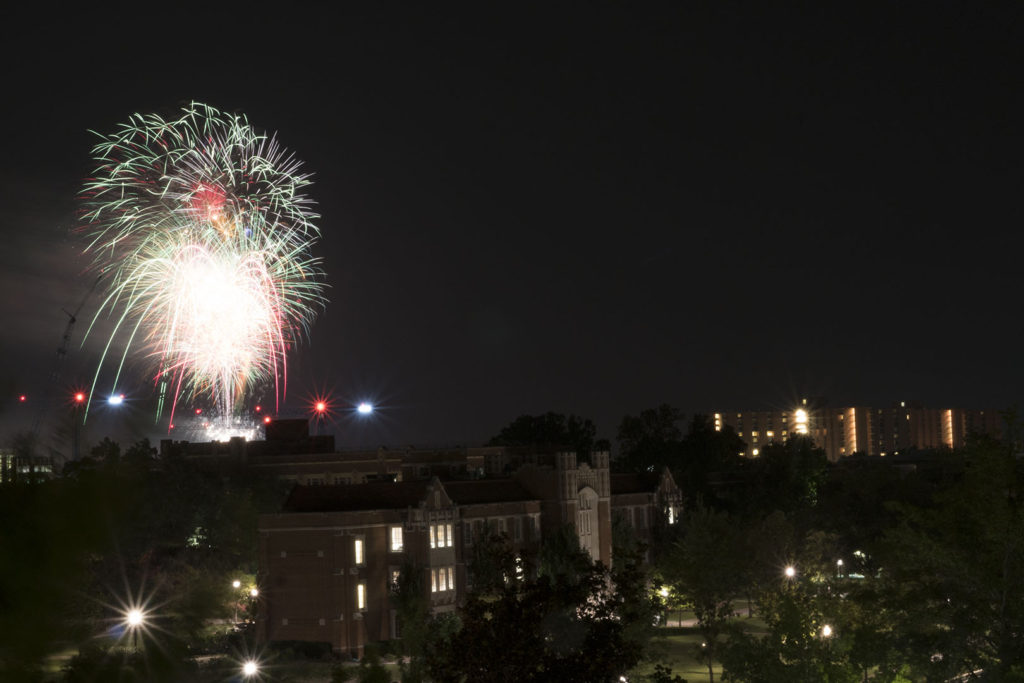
x=22, y=398
x=79, y=397
x=199, y=411
x=258, y=409
x=321, y=406
x=266, y=420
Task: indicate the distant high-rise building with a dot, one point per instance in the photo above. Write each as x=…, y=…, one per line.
x=846, y=430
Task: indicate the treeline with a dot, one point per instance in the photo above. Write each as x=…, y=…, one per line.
x=897, y=571
x=122, y=530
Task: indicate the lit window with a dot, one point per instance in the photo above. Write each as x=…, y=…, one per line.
x=448, y=535
x=770, y=435
x=396, y=539
x=358, y=550
x=396, y=574
x=433, y=580
x=433, y=539
x=361, y=596
x=451, y=578
x=754, y=434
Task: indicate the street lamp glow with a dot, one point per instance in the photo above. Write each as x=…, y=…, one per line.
x=135, y=618
x=364, y=408
x=790, y=572
x=116, y=399
x=236, y=583
x=249, y=668
x=826, y=631
x=254, y=592
x=839, y=563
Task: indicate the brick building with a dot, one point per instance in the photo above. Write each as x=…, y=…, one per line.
x=328, y=559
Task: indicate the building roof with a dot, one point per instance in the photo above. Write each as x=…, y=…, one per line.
x=486, y=491
x=353, y=497
x=400, y=495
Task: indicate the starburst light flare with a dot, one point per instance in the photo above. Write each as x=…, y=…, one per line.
x=203, y=235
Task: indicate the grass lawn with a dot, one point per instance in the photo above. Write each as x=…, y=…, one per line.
x=680, y=647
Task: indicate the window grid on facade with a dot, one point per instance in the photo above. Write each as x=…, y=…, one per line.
x=357, y=551
x=442, y=579
x=441, y=536
x=361, y=596
x=396, y=539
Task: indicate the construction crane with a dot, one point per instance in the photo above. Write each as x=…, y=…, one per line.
x=55, y=376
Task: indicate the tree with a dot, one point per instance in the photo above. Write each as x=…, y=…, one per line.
x=112, y=526
x=797, y=646
x=574, y=621
x=551, y=431
x=412, y=610
x=954, y=571
x=788, y=476
x=705, y=568
x=705, y=451
x=650, y=440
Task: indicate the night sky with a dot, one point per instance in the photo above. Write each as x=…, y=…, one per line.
x=592, y=209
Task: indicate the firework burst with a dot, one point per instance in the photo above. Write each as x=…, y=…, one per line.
x=203, y=235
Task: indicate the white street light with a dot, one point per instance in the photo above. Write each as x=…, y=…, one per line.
x=134, y=619
x=364, y=408
x=249, y=669
x=826, y=631
x=790, y=572
x=254, y=592
x=236, y=583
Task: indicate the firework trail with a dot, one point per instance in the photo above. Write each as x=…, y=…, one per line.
x=203, y=234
